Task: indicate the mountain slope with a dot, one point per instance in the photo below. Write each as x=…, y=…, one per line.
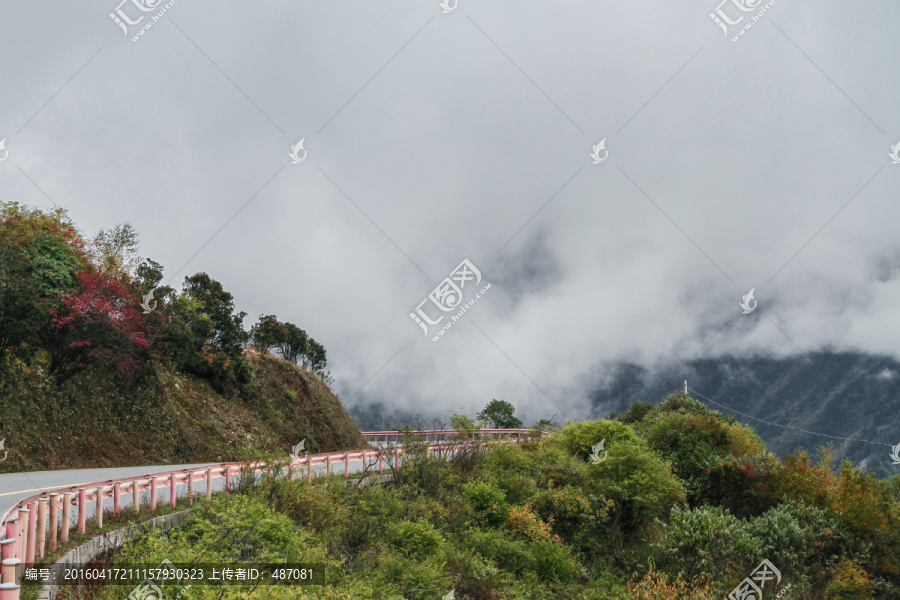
x=169, y=418
x=847, y=395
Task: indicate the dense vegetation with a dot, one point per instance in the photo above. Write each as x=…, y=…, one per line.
x=88, y=378
x=681, y=502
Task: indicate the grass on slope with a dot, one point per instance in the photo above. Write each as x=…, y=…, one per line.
x=167, y=418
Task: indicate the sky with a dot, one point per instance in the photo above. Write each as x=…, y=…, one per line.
x=437, y=134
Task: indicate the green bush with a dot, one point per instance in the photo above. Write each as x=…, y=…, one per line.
x=417, y=539
x=553, y=562
x=511, y=467
x=635, y=413
x=507, y=553
x=707, y=545
x=571, y=511
x=580, y=438
x=410, y=578
x=487, y=500
x=639, y=482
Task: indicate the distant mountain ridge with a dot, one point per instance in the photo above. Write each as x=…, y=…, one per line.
x=841, y=394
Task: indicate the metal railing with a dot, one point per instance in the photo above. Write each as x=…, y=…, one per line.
x=33, y=525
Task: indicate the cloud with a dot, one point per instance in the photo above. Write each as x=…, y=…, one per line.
x=433, y=138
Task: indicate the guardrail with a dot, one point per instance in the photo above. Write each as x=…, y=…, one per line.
x=30, y=522
x=433, y=433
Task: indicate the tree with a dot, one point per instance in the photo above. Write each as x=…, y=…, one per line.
x=499, y=415
x=97, y=324
x=40, y=257
x=227, y=333
x=267, y=333
x=315, y=355
x=295, y=343
x=114, y=251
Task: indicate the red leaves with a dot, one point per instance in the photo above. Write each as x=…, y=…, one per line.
x=100, y=322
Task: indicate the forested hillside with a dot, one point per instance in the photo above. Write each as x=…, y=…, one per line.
x=102, y=365
x=662, y=502
x=838, y=394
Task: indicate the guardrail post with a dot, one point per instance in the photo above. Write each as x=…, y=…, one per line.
x=98, y=511
x=32, y=530
x=117, y=492
x=10, y=566
x=13, y=528
x=308, y=468
x=346, y=464
x=6, y=549
x=54, y=519
x=9, y=591
x=208, y=484
x=190, y=482
x=42, y=526
x=153, y=494
x=136, y=496
x=82, y=511
x=227, y=478
x=24, y=517
x=173, y=488
x=327, y=464
x=380, y=462
x=67, y=513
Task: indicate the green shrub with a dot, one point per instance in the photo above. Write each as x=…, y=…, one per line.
x=507, y=553
x=639, y=482
x=635, y=413
x=510, y=467
x=487, y=500
x=571, y=511
x=580, y=438
x=416, y=539
x=553, y=562
x=707, y=545
x=697, y=442
x=411, y=578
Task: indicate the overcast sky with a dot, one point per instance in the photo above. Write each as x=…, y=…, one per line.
x=434, y=137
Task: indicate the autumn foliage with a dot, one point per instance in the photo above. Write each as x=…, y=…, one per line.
x=98, y=323
x=70, y=304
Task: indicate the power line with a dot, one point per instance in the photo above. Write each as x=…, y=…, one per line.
x=788, y=426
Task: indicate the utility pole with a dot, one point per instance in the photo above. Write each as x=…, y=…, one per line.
x=685, y=386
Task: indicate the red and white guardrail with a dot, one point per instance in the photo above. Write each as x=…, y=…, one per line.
x=29, y=523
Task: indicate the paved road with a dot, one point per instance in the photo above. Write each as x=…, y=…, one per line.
x=16, y=486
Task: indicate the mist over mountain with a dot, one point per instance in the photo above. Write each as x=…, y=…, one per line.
x=840, y=394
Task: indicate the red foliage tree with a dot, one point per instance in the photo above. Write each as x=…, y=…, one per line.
x=97, y=325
